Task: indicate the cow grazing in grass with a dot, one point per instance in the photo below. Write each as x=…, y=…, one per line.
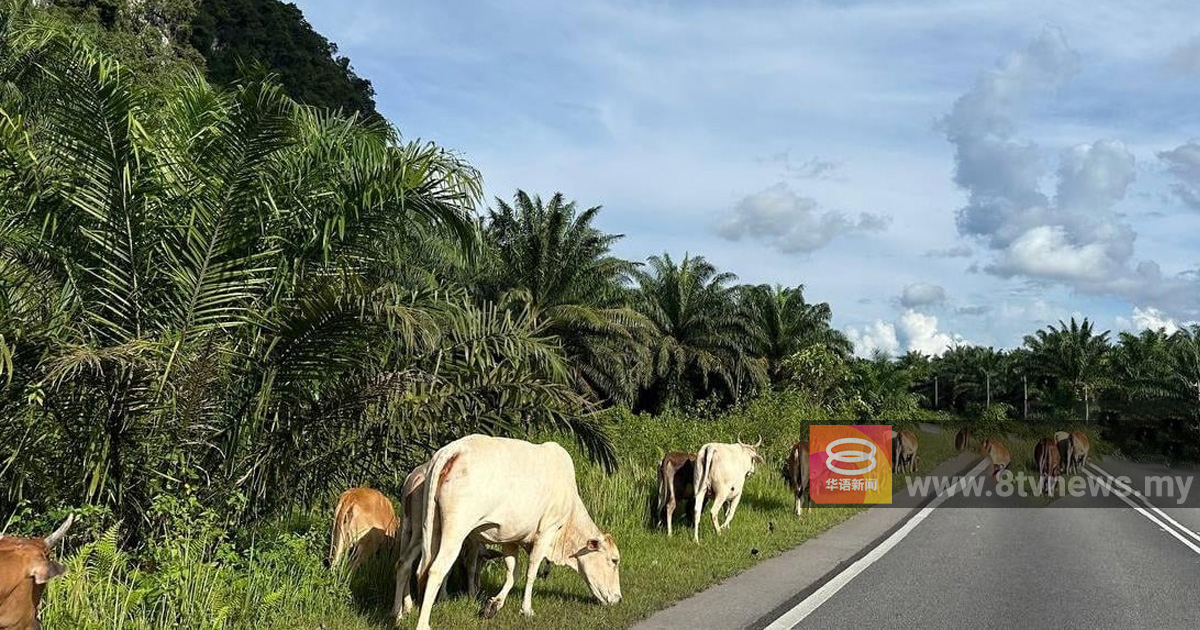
x=412, y=505
x=1066, y=451
x=518, y=495
x=1046, y=458
x=998, y=454
x=25, y=569
x=363, y=523
x=962, y=439
x=676, y=483
x=797, y=469
x=895, y=450
x=722, y=469
x=1080, y=448
x=906, y=454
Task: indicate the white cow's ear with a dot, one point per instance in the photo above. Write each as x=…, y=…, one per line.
x=594, y=544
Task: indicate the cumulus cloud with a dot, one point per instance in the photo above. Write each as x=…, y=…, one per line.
x=1183, y=162
x=958, y=251
x=912, y=331
x=790, y=223
x=922, y=294
x=1150, y=318
x=1075, y=237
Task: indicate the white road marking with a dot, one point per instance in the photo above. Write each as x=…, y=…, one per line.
x=809, y=604
x=1150, y=505
x=1113, y=481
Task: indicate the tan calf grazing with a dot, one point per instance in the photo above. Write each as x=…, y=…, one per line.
x=797, y=467
x=995, y=451
x=1046, y=458
x=722, y=469
x=962, y=439
x=676, y=482
x=363, y=522
x=907, y=459
x=1080, y=448
x=518, y=495
x=25, y=569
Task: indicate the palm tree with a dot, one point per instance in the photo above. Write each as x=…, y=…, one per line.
x=548, y=256
x=1072, y=354
x=789, y=324
x=702, y=334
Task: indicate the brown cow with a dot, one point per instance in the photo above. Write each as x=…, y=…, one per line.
x=1046, y=458
x=908, y=459
x=363, y=522
x=25, y=569
x=797, y=464
x=995, y=451
x=676, y=482
x=1066, y=451
x=962, y=439
x=1080, y=447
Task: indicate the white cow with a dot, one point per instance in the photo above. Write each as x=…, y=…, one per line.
x=722, y=468
x=517, y=495
x=412, y=504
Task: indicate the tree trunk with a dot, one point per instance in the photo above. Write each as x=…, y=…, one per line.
x=988, y=380
x=1025, y=397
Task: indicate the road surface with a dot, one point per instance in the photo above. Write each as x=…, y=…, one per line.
x=981, y=564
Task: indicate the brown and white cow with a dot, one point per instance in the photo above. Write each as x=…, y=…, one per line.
x=1066, y=451
x=722, y=469
x=797, y=468
x=1080, y=448
x=676, y=483
x=25, y=569
x=518, y=495
x=412, y=505
x=962, y=439
x=907, y=458
x=995, y=451
x=1047, y=459
x=364, y=522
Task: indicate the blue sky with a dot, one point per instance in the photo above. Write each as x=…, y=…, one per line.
x=938, y=171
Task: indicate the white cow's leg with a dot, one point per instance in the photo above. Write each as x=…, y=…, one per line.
x=444, y=558
x=697, y=511
x=538, y=553
x=494, y=604
x=737, y=498
x=800, y=505
x=670, y=515
x=718, y=502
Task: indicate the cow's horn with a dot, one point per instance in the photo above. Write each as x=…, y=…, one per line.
x=759, y=442
x=57, y=536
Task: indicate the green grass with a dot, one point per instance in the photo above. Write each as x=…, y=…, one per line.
x=203, y=579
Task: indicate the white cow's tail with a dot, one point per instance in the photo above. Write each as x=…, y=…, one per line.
x=703, y=468
x=431, y=487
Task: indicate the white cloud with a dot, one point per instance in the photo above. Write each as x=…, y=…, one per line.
x=1148, y=318
x=1183, y=162
x=922, y=294
x=912, y=331
x=791, y=223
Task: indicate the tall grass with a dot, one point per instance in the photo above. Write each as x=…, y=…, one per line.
x=199, y=576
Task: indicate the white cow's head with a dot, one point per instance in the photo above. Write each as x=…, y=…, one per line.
x=751, y=451
x=600, y=565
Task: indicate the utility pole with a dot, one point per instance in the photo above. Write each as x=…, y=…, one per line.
x=935, y=392
x=1025, y=395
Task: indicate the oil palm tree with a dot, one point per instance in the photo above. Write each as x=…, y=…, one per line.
x=703, y=335
x=1071, y=354
x=788, y=323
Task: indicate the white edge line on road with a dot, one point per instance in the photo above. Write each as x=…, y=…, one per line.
x=809, y=604
x=1141, y=510
x=1150, y=505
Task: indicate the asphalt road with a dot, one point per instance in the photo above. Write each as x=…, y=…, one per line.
x=1050, y=567
x=979, y=563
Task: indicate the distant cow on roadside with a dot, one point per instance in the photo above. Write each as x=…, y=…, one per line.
x=1066, y=451
x=895, y=451
x=363, y=523
x=1080, y=449
x=962, y=439
x=25, y=569
x=995, y=451
x=1046, y=458
x=723, y=469
x=797, y=468
x=676, y=483
x=905, y=453
x=518, y=495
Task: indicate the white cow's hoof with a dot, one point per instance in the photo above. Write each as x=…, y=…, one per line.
x=493, y=606
x=528, y=612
